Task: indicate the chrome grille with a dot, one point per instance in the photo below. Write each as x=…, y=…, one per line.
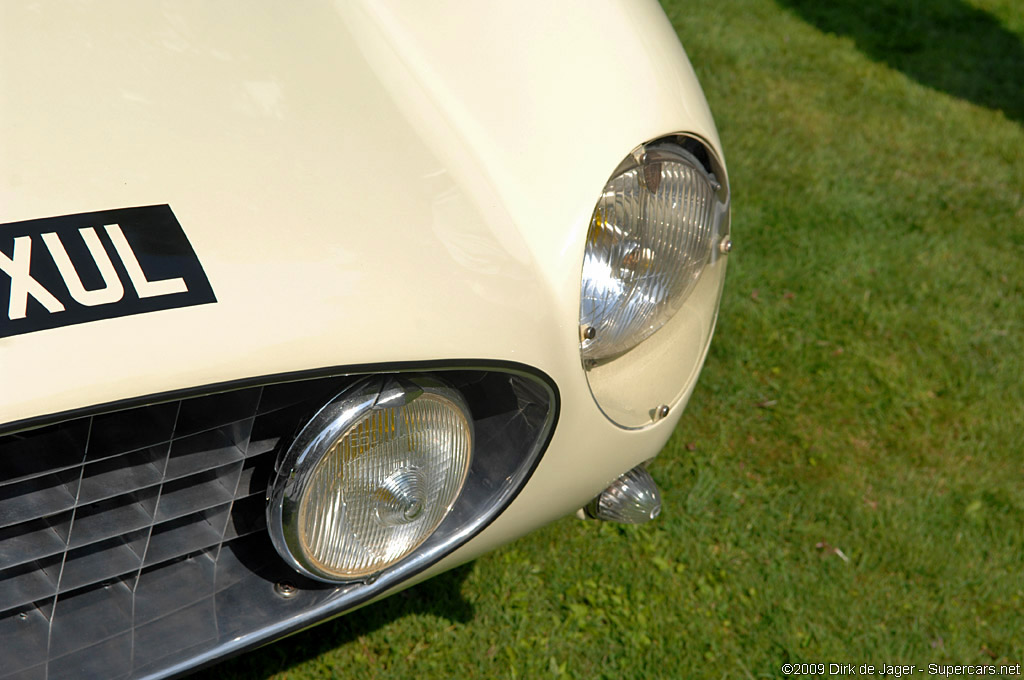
x=123, y=534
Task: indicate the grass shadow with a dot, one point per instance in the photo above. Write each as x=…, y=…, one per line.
x=944, y=44
x=440, y=596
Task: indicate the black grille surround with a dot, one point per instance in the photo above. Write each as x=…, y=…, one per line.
x=133, y=541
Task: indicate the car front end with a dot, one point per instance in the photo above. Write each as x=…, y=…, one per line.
x=304, y=306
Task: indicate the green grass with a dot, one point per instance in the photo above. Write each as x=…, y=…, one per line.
x=863, y=398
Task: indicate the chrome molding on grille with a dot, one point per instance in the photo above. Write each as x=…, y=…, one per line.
x=133, y=542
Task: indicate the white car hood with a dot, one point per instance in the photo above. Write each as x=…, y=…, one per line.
x=357, y=189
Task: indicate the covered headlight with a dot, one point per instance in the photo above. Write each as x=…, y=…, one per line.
x=371, y=477
x=659, y=226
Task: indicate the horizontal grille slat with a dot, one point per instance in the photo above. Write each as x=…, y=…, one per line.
x=90, y=616
x=198, y=492
x=247, y=517
x=29, y=582
x=207, y=450
x=38, y=497
x=43, y=451
x=187, y=534
x=113, y=517
x=130, y=430
x=215, y=410
x=122, y=473
x=173, y=586
x=32, y=540
x=100, y=562
x=255, y=476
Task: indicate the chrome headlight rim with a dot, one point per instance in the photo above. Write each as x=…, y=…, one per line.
x=314, y=443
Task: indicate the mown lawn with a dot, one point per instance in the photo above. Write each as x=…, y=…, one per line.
x=847, y=485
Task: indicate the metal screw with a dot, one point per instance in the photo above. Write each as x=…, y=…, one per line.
x=286, y=589
x=588, y=332
x=726, y=245
x=661, y=412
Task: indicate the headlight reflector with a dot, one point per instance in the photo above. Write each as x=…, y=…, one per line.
x=372, y=476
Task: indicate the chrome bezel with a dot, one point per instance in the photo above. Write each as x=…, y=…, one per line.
x=641, y=407
x=319, y=436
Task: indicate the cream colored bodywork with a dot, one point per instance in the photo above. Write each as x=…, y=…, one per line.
x=363, y=183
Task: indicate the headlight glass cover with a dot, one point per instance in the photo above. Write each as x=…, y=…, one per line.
x=375, y=473
x=651, y=235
